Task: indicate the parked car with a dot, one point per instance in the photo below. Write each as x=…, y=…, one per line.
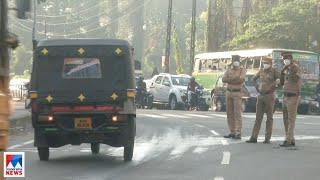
x=249, y=95
x=170, y=90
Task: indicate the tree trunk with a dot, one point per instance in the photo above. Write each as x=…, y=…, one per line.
x=212, y=37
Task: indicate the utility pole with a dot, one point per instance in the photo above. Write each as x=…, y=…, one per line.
x=4, y=82
x=45, y=29
x=168, y=40
x=193, y=34
x=34, y=41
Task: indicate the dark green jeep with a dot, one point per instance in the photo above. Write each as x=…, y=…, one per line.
x=82, y=91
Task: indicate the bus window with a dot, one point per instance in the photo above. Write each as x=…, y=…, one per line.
x=256, y=62
x=249, y=63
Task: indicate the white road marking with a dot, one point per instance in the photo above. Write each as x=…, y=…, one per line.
x=200, y=125
x=19, y=145
x=200, y=150
x=218, y=178
x=178, y=116
x=197, y=115
x=214, y=132
x=153, y=116
x=278, y=138
x=226, y=158
x=219, y=115
x=309, y=123
x=224, y=142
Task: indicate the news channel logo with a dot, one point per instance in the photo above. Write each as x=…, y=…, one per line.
x=14, y=164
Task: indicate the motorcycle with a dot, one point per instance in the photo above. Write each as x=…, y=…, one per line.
x=144, y=99
x=197, y=101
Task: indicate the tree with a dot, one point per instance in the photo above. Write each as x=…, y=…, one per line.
x=177, y=53
x=289, y=25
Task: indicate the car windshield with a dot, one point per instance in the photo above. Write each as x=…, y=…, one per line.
x=180, y=81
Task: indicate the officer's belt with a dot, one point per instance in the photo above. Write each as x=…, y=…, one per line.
x=233, y=90
x=290, y=94
x=266, y=93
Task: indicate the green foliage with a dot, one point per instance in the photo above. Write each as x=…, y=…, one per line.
x=177, y=53
x=20, y=61
x=289, y=25
x=26, y=75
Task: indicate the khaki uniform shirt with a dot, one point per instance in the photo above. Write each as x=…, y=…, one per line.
x=292, y=79
x=234, y=77
x=267, y=79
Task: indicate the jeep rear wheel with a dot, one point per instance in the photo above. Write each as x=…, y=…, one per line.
x=128, y=152
x=43, y=153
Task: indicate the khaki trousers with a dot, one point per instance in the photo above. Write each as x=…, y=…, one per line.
x=290, y=108
x=265, y=104
x=234, y=110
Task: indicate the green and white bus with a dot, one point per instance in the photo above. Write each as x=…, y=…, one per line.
x=209, y=66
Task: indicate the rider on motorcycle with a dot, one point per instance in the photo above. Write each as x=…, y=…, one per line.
x=141, y=88
x=191, y=88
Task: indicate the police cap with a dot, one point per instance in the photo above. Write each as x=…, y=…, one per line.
x=235, y=58
x=267, y=59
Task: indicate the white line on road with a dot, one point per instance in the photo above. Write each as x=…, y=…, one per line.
x=214, y=132
x=224, y=142
x=218, y=178
x=226, y=158
x=22, y=144
x=153, y=116
x=197, y=115
x=219, y=115
x=310, y=123
x=200, y=125
x=178, y=116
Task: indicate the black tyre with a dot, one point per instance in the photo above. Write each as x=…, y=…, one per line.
x=43, y=153
x=303, y=109
x=128, y=152
x=95, y=148
x=244, y=107
x=173, y=104
x=219, y=106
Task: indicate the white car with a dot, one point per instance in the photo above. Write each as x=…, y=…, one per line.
x=170, y=89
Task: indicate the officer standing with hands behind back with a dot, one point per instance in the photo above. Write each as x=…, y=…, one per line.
x=291, y=81
x=265, y=100
x=234, y=77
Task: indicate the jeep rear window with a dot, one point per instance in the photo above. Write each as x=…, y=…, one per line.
x=81, y=68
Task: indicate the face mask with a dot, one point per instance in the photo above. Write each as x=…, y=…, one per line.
x=266, y=66
x=236, y=63
x=287, y=62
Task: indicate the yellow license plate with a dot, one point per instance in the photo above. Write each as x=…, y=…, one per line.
x=83, y=123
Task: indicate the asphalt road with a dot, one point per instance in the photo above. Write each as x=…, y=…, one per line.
x=174, y=145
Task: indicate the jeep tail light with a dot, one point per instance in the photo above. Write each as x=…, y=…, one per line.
x=46, y=118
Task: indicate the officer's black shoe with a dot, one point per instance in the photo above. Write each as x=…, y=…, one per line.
x=286, y=144
x=266, y=141
x=293, y=143
x=238, y=136
x=230, y=136
x=252, y=140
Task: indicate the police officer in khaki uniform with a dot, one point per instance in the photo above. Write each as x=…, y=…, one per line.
x=234, y=77
x=265, y=100
x=291, y=81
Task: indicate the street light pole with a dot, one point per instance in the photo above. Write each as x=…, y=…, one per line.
x=168, y=39
x=193, y=34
